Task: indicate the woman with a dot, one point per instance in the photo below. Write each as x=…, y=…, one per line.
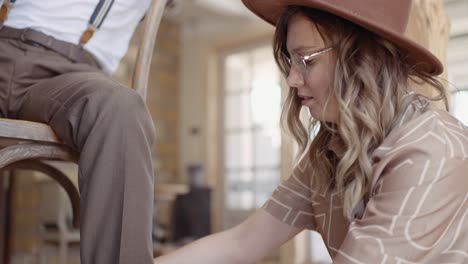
x=384, y=178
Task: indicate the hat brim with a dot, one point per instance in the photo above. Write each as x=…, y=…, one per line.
x=415, y=54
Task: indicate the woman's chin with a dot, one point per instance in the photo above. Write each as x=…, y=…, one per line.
x=319, y=114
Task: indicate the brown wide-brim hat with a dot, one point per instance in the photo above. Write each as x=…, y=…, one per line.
x=386, y=18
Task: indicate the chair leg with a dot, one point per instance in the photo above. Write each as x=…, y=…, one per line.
x=58, y=176
x=63, y=251
x=42, y=255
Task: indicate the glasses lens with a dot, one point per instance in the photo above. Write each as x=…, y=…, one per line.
x=297, y=61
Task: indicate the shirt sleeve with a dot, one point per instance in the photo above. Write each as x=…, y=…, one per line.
x=418, y=210
x=291, y=201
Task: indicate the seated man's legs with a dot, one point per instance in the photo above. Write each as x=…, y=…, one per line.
x=110, y=126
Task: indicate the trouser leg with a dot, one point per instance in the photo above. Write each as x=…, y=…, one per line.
x=6, y=72
x=111, y=128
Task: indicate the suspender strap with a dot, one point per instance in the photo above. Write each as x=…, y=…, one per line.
x=96, y=20
x=100, y=13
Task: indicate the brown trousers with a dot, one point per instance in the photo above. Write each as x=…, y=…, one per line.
x=109, y=125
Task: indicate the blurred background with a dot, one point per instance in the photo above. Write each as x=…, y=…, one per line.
x=215, y=95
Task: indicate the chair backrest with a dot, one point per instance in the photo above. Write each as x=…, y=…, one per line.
x=146, y=46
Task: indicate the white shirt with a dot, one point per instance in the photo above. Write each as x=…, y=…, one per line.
x=67, y=20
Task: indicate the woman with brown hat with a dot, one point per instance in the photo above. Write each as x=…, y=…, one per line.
x=384, y=177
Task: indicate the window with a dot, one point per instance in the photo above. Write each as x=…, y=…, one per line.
x=460, y=105
x=252, y=135
x=457, y=62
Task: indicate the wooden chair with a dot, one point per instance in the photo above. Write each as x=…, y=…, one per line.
x=25, y=144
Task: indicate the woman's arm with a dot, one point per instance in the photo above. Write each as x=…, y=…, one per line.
x=246, y=243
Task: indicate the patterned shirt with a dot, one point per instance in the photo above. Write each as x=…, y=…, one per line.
x=417, y=211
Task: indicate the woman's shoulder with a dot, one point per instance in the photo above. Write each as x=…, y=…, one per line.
x=430, y=130
x=432, y=144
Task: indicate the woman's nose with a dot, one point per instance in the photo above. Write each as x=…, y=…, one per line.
x=295, y=78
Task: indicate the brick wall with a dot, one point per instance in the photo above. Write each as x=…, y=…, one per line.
x=163, y=101
x=24, y=222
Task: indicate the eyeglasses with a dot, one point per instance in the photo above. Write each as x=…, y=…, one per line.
x=301, y=62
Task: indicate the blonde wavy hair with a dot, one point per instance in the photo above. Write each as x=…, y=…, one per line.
x=370, y=81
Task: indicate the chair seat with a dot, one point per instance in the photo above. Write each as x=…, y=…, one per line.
x=23, y=140
x=21, y=130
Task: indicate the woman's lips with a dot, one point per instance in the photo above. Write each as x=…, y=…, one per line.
x=306, y=100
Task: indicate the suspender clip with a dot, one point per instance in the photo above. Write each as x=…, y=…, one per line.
x=87, y=35
x=4, y=11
